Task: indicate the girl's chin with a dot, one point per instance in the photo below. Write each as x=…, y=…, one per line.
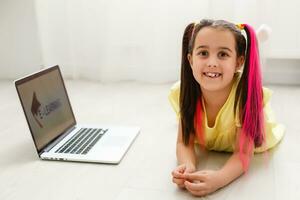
x=214, y=87
x=211, y=88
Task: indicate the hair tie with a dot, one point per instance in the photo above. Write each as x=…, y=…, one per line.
x=240, y=26
x=195, y=24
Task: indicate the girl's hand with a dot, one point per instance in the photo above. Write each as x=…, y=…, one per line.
x=179, y=172
x=202, y=183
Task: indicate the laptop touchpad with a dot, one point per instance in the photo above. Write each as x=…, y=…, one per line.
x=115, y=140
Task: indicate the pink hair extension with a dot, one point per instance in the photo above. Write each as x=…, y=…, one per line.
x=198, y=123
x=253, y=122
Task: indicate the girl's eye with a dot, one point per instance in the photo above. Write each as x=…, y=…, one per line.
x=203, y=53
x=223, y=54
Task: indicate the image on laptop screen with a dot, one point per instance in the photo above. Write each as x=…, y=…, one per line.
x=46, y=106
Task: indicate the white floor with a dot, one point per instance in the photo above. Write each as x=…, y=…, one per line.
x=145, y=171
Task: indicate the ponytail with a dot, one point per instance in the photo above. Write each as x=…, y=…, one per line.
x=251, y=96
x=189, y=88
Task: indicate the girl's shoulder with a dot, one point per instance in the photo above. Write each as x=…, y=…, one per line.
x=267, y=93
x=174, y=97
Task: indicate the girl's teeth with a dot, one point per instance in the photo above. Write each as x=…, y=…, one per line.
x=212, y=75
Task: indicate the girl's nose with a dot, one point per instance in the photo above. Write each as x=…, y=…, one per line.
x=212, y=63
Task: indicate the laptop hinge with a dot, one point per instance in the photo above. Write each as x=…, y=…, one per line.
x=57, y=140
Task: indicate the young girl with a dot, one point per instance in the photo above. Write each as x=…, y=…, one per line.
x=220, y=103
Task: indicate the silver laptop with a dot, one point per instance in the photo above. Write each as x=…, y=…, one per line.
x=53, y=127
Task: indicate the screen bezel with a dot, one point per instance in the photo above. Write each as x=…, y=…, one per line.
x=34, y=76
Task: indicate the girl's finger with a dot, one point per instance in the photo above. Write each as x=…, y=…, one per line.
x=196, y=192
x=178, y=181
x=181, y=168
x=199, y=193
x=194, y=186
x=177, y=174
x=195, y=176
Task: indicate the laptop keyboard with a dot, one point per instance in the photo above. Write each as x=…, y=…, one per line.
x=82, y=141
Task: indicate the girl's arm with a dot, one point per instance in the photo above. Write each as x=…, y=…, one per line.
x=186, y=158
x=233, y=167
x=185, y=153
x=231, y=170
x=204, y=182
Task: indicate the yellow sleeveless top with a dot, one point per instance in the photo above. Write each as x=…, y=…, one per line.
x=222, y=136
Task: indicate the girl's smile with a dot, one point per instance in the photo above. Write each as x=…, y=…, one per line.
x=212, y=74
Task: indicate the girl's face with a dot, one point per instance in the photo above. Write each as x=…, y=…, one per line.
x=214, y=60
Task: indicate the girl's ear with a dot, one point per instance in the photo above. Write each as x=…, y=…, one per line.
x=189, y=57
x=240, y=62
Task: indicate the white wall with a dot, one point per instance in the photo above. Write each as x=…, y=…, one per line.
x=283, y=16
x=126, y=39
x=20, y=51
x=116, y=39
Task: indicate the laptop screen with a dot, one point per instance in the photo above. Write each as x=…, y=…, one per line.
x=46, y=105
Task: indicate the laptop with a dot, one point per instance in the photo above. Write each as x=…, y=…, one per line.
x=53, y=126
